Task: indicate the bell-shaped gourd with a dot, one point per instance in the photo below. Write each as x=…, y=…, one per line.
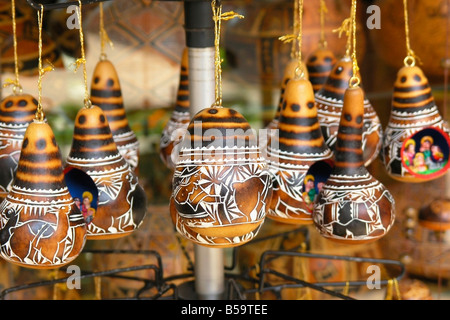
x=319, y=65
x=17, y=111
x=221, y=185
x=416, y=139
x=41, y=227
x=289, y=72
x=330, y=99
x=353, y=207
x=179, y=120
x=292, y=153
x=106, y=93
x=122, y=203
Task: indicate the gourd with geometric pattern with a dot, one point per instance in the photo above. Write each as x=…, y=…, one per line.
x=293, y=152
x=416, y=139
x=221, y=184
x=122, y=202
x=41, y=227
x=329, y=100
x=353, y=207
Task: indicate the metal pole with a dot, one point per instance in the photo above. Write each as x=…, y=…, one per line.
x=199, y=25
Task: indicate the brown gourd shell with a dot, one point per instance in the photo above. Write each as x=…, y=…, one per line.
x=353, y=207
x=288, y=74
x=436, y=215
x=298, y=146
x=174, y=130
x=319, y=64
x=208, y=241
x=330, y=100
x=122, y=203
x=221, y=185
x=40, y=225
x=17, y=111
x=106, y=93
x=414, y=115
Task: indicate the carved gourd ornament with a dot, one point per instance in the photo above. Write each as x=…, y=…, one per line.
x=41, y=227
x=353, y=207
x=122, y=203
x=330, y=99
x=221, y=185
x=293, y=154
x=416, y=141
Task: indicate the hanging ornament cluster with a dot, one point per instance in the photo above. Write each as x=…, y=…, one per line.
x=330, y=98
x=221, y=185
x=16, y=113
x=174, y=129
x=416, y=144
x=352, y=206
x=297, y=148
x=117, y=203
x=40, y=224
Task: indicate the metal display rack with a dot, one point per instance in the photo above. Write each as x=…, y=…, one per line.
x=212, y=280
x=238, y=286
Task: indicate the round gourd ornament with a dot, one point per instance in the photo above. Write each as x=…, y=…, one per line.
x=176, y=127
x=329, y=100
x=106, y=93
x=294, y=152
x=122, y=203
x=436, y=215
x=319, y=64
x=41, y=227
x=221, y=184
x=353, y=207
x=416, y=143
x=17, y=111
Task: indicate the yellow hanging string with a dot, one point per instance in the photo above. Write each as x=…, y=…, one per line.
x=295, y=27
x=104, y=38
x=323, y=11
x=82, y=60
x=298, y=37
x=54, y=276
x=346, y=289
x=392, y=285
x=346, y=27
x=218, y=16
x=42, y=71
x=98, y=288
x=354, y=80
x=411, y=57
x=16, y=87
